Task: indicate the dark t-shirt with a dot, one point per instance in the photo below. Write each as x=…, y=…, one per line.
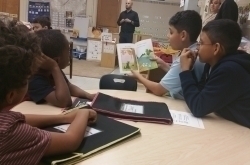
x=40, y=86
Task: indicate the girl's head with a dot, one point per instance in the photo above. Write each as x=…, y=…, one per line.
x=214, y=6
x=55, y=45
x=17, y=56
x=40, y=23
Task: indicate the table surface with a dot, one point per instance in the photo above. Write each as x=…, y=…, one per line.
x=221, y=142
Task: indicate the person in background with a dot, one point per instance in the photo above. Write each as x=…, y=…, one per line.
x=50, y=83
x=41, y=23
x=225, y=90
x=185, y=27
x=128, y=20
x=214, y=7
x=228, y=10
x=22, y=142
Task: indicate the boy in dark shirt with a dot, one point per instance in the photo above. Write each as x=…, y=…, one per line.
x=225, y=87
x=49, y=83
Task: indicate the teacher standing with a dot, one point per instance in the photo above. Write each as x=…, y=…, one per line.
x=128, y=20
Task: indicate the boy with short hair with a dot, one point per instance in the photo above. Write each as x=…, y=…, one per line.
x=41, y=23
x=185, y=27
x=224, y=88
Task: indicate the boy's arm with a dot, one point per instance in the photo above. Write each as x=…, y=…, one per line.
x=212, y=97
x=78, y=92
x=154, y=87
x=74, y=134
x=61, y=95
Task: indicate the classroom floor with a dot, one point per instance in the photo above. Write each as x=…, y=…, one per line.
x=87, y=83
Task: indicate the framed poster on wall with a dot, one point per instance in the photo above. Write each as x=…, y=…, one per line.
x=38, y=9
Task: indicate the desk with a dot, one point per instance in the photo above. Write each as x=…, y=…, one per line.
x=221, y=142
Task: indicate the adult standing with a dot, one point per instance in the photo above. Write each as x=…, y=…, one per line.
x=228, y=10
x=128, y=20
x=214, y=6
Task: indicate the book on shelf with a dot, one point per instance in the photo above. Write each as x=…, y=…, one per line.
x=104, y=133
x=136, y=56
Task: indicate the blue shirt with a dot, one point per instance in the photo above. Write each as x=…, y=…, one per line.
x=171, y=81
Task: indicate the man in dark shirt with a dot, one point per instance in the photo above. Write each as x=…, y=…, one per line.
x=128, y=20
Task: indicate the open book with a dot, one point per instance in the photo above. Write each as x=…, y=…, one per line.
x=101, y=135
x=136, y=56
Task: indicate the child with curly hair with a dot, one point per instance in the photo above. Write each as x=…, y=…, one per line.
x=22, y=142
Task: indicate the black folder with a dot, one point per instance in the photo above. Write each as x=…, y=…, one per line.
x=109, y=132
x=154, y=112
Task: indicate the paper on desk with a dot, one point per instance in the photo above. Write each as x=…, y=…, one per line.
x=187, y=119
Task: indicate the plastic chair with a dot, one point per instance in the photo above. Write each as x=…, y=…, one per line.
x=118, y=82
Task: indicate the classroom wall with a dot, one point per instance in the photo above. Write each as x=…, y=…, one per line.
x=91, y=10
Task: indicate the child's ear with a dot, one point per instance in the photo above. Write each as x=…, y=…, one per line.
x=218, y=49
x=10, y=97
x=183, y=35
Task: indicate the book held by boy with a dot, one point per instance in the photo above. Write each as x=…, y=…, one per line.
x=136, y=56
x=104, y=133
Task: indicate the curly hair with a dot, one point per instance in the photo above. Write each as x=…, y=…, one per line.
x=53, y=42
x=18, y=52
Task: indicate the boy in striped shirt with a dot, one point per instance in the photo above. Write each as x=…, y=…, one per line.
x=21, y=140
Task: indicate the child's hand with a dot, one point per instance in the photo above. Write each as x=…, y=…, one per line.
x=162, y=64
x=135, y=74
x=91, y=96
x=187, y=59
x=45, y=62
x=92, y=116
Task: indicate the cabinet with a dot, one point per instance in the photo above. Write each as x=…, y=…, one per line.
x=10, y=6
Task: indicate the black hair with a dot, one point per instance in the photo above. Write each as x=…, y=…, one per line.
x=188, y=20
x=225, y=32
x=53, y=42
x=44, y=21
x=18, y=52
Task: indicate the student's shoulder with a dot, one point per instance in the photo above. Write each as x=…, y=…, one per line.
x=9, y=119
x=229, y=68
x=38, y=76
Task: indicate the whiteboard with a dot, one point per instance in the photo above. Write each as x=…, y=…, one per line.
x=154, y=17
x=81, y=24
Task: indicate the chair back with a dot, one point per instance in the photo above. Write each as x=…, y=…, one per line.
x=118, y=82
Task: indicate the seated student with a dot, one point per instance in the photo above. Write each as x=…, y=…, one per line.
x=226, y=89
x=185, y=27
x=40, y=23
x=22, y=142
x=50, y=84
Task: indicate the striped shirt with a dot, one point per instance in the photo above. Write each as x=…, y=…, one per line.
x=20, y=143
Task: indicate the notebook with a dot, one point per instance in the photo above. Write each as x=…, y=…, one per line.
x=104, y=133
x=154, y=112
